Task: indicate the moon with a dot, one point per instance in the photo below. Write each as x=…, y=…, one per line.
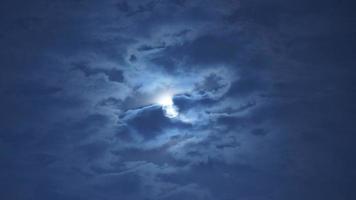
x=168, y=107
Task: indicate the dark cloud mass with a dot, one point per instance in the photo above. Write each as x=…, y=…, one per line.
x=177, y=99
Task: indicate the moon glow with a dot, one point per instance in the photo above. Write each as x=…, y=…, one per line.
x=168, y=107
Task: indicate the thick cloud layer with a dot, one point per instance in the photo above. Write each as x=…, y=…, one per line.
x=263, y=94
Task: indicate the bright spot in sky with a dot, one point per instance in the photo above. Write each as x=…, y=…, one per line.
x=169, y=109
x=165, y=100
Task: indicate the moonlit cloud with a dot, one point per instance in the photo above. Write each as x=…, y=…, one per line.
x=178, y=99
x=165, y=100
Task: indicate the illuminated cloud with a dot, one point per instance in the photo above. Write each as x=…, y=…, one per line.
x=179, y=99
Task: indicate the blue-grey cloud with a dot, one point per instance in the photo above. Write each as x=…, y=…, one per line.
x=264, y=95
x=113, y=74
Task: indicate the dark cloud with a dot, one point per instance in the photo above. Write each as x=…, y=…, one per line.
x=186, y=102
x=182, y=33
x=264, y=95
x=149, y=48
x=130, y=10
x=133, y=58
x=111, y=102
x=230, y=144
x=158, y=156
x=207, y=49
x=150, y=122
x=206, y=174
x=94, y=120
x=112, y=74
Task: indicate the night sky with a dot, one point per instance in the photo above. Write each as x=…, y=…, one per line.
x=177, y=100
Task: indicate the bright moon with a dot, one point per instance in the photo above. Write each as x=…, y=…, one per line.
x=165, y=100
x=168, y=107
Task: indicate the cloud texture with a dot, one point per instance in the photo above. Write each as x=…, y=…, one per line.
x=263, y=92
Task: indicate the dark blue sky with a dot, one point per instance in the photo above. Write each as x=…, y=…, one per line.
x=177, y=100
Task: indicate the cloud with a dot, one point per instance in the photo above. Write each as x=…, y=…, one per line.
x=111, y=102
x=261, y=89
x=150, y=48
x=150, y=122
x=140, y=8
x=112, y=74
x=213, y=86
x=206, y=176
x=204, y=50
